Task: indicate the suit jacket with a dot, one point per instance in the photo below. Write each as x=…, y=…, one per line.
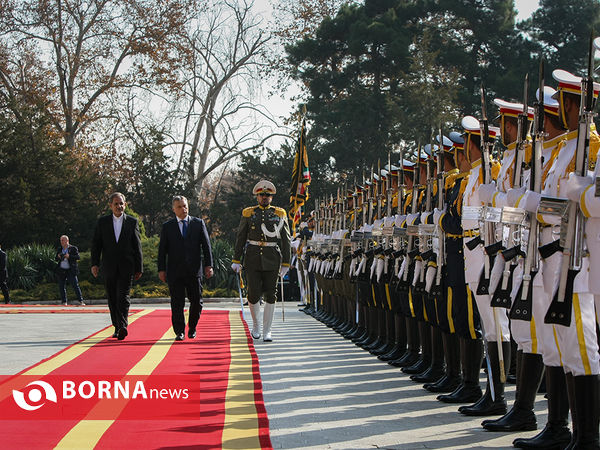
x=73, y=258
x=3, y=271
x=123, y=257
x=184, y=257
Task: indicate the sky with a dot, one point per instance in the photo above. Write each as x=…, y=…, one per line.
x=282, y=105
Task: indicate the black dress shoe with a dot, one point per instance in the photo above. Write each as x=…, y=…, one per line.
x=180, y=337
x=121, y=333
x=114, y=334
x=191, y=334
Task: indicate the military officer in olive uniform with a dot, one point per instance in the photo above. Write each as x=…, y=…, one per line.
x=263, y=239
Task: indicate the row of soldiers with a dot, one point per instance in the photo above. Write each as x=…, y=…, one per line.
x=435, y=264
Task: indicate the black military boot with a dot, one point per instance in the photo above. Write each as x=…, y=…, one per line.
x=521, y=417
x=411, y=356
x=400, y=340
x=471, y=355
x=486, y=406
x=556, y=434
x=425, y=358
x=587, y=406
x=451, y=379
x=436, y=369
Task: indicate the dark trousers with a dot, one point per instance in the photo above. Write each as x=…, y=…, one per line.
x=4, y=288
x=262, y=282
x=64, y=276
x=117, y=291
x=178, y=288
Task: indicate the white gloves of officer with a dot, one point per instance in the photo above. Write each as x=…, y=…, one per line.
x=284, y=270
x=576, y=185
x=486, y=191
x=513, y=195
x=530, y=201
x=236, y=267
x=437, y=214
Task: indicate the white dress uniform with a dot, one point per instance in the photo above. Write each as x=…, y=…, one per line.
x=474, y=259
x=577, y=343
x=537, y=336
x=590, y=206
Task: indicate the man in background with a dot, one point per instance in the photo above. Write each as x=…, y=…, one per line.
x=67, y=269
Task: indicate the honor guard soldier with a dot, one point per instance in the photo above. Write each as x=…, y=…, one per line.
x=465, y=317
x=263, y=239
x=514, y=121
x=556, y=432
x=576, y=340
x=494, y=323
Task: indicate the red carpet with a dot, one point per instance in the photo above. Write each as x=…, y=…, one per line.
x=79, y=310
x=148, y=391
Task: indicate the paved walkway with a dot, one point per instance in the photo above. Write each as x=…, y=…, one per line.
x=320, y=390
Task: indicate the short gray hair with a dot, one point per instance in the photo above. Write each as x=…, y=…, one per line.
x=179, y=198
x=115, y=194
x=64, y=236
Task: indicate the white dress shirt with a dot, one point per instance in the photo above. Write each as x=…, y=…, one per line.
x=118, y=225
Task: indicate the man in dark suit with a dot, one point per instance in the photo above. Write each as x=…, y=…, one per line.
x=184, y=255
x=117, y=240
x=67, y=269
x=4, y=276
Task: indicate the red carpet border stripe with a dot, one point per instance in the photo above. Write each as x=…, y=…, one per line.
x=223, y=400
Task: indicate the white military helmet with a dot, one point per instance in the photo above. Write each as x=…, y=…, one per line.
x=264, y=186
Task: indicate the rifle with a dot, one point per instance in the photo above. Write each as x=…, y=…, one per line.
x=523, y=304
x=484, y=282
x=559, y=311
x=388, y=188
x=415, y=194
x=441, y=254
x=502, y=295
x=487, y=229
x=401, y=183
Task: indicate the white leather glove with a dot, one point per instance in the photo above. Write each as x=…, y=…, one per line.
x=530, y=201
x=352, y=266
x=496, y=272
x=430, y=277
x=437, y=213
x=512, y=195
x=284, y=270
x=424, y=216
x=373, y=267
x=411, y=218
x=399, y=219
x=379, y=268
x=402, y=268
x=236, y=267
x=486, y=191
x=417, y=274
x=576, y=185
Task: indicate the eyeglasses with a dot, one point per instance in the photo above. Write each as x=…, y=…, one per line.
x=265, y=194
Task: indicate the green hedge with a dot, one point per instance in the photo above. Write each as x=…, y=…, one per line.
x=31, y=274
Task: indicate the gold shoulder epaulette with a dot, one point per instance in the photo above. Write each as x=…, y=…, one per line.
x=495, y=169
x=247, y=212
x=451, y=178
x=280, y=211
x=528, y=153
